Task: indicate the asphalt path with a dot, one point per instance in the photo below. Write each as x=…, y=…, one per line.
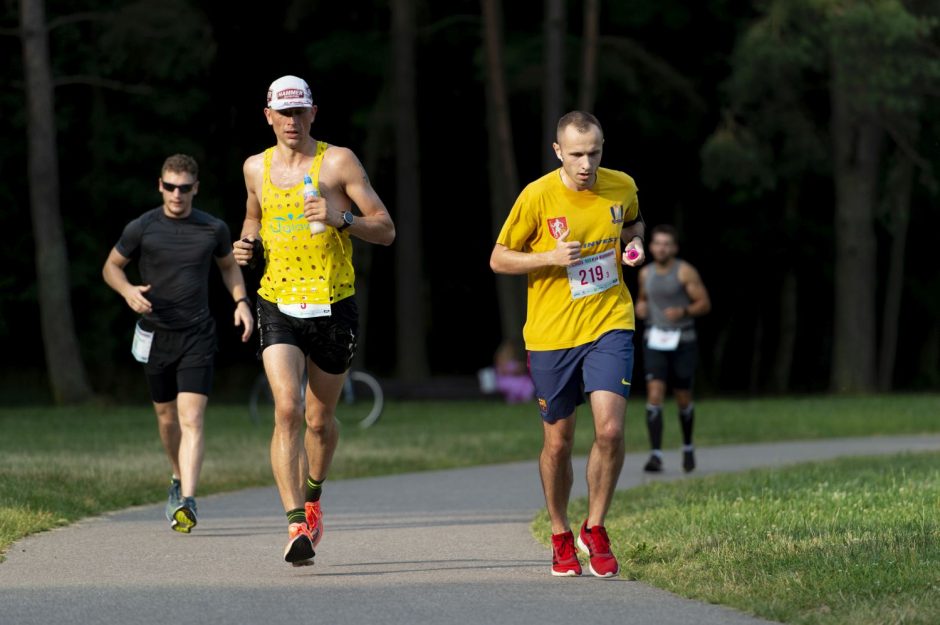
x=444, y=547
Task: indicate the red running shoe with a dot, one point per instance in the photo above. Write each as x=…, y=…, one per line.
x=314, y=521
x=595, y=543
x=299, y=550
x=564, y=557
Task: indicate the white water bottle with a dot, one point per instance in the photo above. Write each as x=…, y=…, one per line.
x=316, y=227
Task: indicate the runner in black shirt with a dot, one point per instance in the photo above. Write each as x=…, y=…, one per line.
x=175, y=338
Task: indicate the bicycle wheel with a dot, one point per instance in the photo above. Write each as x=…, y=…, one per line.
x=362, y=400
x=260, y=400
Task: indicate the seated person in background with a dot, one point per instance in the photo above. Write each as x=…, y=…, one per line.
x=512, y=378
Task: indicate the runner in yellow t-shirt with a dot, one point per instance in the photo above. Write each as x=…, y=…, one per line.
x=564, y=232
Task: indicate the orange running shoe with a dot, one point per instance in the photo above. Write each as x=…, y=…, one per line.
x=314, y=521
x=299, y=550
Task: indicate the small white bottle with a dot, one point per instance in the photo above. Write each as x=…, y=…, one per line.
x=316, y=227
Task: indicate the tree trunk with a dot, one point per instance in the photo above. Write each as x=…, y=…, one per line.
x=504, y=179
x=857, y=142
x=376, y=135
x=899, y=204
x=757, y=355
x=67, y=375
x=412, y=331
x=786, y=341
x=553, y=78
x=786, y=338
x=588, y=88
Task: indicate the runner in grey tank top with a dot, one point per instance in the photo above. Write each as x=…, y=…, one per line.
x=671, y=296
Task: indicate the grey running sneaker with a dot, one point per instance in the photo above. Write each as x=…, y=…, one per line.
x=173, y=498
x=184, y=517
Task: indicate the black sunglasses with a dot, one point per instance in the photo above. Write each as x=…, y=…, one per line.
x=170, y=188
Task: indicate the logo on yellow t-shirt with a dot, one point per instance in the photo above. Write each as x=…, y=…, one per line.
x=557, y=225
x=616, y=214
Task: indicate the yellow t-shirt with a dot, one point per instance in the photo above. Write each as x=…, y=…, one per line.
x=301, y=267
x=568, y=307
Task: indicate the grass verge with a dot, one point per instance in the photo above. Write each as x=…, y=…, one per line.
x=852, y=541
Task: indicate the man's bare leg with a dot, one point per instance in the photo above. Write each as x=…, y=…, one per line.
x=606, y=457
x=322, y=435
x=191, y=410
x=284, y=366
x=555, y=470
x=168, y=425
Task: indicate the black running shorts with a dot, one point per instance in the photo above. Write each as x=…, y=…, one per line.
x=181, y=361
x=330, y=342
x=676, y=368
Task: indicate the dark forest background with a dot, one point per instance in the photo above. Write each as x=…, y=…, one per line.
x=794, y=143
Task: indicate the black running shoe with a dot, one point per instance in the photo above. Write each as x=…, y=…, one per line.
x=688, y=460
x=654, y=464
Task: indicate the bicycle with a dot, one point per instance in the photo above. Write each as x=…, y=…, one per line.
x=360, y=404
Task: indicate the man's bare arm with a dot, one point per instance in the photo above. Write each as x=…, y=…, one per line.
x=694, y=287
x=251, y=227
x=375, y=225
x=114, y=277
x=641, y=306
x=513, y=262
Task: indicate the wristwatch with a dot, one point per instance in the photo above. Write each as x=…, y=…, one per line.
x=348, y=219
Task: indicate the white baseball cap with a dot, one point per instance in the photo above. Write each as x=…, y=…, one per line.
x=289, y=92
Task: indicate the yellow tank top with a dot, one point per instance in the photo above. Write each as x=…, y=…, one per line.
x=301, y=267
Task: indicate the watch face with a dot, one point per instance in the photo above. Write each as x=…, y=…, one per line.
x=348, y=218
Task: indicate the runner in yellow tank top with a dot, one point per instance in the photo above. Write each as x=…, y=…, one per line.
x=564, y=233
x=307, y=316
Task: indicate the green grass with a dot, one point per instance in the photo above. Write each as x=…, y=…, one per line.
x=61, y=464
x=853, y=541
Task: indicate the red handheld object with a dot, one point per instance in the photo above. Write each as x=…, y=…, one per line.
x=632, y=254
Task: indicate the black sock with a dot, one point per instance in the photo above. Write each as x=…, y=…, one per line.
x=654, y=424
x=313, y=489
x=687, y=420
x=297, y=515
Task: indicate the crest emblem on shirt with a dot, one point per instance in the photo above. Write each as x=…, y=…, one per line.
x=616, y=214
x=557, y=225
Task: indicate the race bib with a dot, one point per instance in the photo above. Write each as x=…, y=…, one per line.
x=142, y=343
x=593, y=274
x=305, y=311
x=663, y=340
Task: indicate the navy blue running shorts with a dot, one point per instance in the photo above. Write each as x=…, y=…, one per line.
x=563, y=376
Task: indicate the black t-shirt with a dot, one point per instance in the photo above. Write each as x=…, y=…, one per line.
x=174, y=257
